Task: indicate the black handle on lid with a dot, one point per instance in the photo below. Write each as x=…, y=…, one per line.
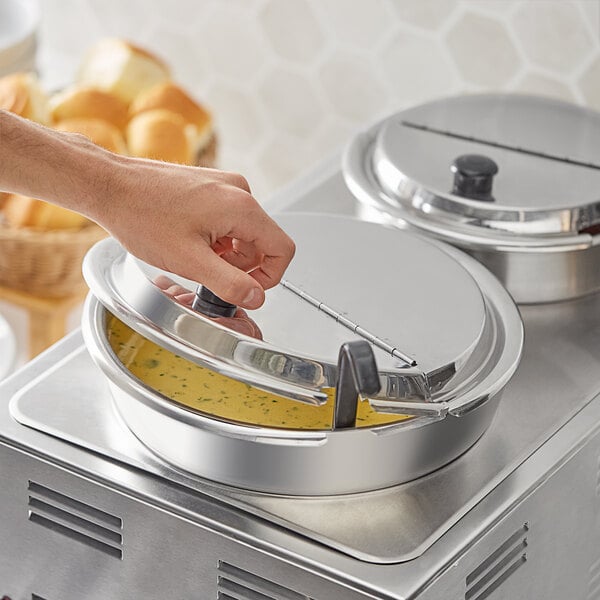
x=473, y=176
x=357, y=374
x=211, y=305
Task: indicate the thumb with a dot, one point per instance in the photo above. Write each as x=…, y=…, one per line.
x=228, y=282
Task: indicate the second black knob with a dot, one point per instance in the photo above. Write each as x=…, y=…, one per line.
x=473, y=176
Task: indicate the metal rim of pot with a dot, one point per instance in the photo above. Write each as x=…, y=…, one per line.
x=522, y=198
x=278, y=461
x=317, y=452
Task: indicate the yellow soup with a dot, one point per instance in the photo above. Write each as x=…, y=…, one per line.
x=205, y=391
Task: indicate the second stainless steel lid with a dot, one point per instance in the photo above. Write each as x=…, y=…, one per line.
x=443, y=330
x=486, y=165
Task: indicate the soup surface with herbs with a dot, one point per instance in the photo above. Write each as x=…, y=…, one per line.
x=206, y=391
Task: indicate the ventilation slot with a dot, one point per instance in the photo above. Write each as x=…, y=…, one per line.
x=598, y=477
x=36, y=597
x=498, y=567
x=236, y=584
x=75, y=520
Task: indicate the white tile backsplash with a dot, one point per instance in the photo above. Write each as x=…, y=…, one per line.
x=494, y=7
x=233, y=44
x=290, y=79
x=482, y=50
x=352, y=86
x=357, y=24
x=292, y=29
x=532, y=82
x=552, y=34
x=417, y=68
x=239, y=120
x=291, y=100
x=428, y=14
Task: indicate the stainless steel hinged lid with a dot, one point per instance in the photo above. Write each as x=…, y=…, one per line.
x=506, y=170
x=444, y=332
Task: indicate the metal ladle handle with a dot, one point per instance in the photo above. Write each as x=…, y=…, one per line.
x=209, y=304
x=357, y=375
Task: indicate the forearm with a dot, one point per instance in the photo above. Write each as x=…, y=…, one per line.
x=200, y=223
x=65, y=169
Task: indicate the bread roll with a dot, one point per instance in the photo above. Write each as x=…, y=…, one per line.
x=22, y=211
x=100, y=132
x=21, y=94
x=87, y=102
x=121, y=68
x=161, y=135
x=171, y=97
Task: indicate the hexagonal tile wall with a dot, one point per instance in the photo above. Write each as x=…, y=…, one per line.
x=429, y=14
x=233, y=44
x=417, y=68
x=283, y=158
x=493, y=7
x=239, y=122
x=333, y=134
x=482, y=50
x=559, y=41
x=291, y=80
x=352, y=86
x=537, y=83
x=189, y=64
x=292, y=29
x=358, y=24
x=290, y=100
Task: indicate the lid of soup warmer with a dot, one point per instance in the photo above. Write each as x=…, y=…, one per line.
x=444, y=333
x=489, y=166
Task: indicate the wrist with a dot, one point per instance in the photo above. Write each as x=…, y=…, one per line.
x=64, y=168
x=103, y=186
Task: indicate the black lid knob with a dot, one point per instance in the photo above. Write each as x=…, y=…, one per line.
x=473, y=176
x=211, y=305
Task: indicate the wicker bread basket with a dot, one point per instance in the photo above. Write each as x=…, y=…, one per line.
x=45, y=263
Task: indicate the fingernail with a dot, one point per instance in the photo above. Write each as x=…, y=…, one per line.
x=252, y=300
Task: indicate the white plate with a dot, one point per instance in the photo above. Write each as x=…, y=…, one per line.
x=8, y=348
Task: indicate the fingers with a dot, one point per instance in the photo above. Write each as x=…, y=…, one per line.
x=277, y=255
x=228, y=282
x=163, y=282
x=176, y=291
x=241, y=323
x=216, y=233
x=260, y=244
x=186, y=298
x=240, y=254
x=234, y=179
x=254, y=242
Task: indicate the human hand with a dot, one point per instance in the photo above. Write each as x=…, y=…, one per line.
x=240, y=321
x=202, y=224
